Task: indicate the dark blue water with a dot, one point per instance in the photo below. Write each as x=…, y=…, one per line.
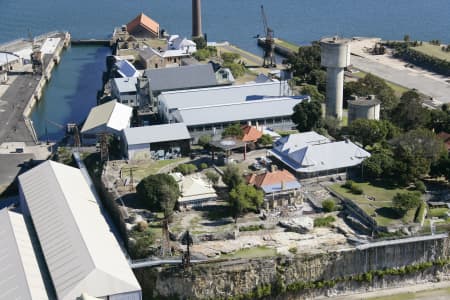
x=300, y=21
x=71, y=92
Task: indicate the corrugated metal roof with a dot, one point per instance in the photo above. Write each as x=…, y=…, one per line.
x=81, y=252
x=126, y=84
x=315, y=153
x=156, y=133
x=243, y=111
x=110, y=114
x=220, y=95
x=20, y=274
x=184, y=77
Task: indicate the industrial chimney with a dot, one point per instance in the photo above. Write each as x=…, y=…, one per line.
x=335, y=56
x=196, y=18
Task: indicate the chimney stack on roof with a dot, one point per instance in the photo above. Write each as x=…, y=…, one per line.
x=196, y=18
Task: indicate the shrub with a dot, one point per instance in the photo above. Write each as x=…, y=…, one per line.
x=357, y=190
x=212, y=176
x=293, y=250
x=324, y=222
x=328, y=205
x=251, y=228
x=406, y=201
x=203, y=166
x=186, y=169
x=141, y=226
x=348, y=184
x=420, y=186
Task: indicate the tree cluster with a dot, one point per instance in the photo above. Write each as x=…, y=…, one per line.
x=158, y=192
x=234, y=130
x=244, y=198
x=307, y=115
x=186, y=169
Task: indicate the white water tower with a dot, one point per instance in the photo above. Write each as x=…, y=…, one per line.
x=335, y=56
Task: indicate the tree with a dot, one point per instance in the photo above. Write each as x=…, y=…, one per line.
x=307, y=115
x=333, y=126
x=212, y=176
x=369, y=132
x=441, y=167
x=406, y=201
x=232, y=176
x=204, y=140
x=414, y=153
x=406, y=38
x=306, y=60
x=158, y=192
x=328, y=205
x=410, y=114
x=379, y=165
x=234, y=130
x=200, y=42
x=373, y=85
x=244, y=198
x=265, y=140
x=313, y=92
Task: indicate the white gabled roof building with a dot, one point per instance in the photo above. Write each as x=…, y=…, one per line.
x=80, y=249
x=21, y=277
x=311, y=154
x=111, y=117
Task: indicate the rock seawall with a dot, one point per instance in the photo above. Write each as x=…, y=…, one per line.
x=303, y=276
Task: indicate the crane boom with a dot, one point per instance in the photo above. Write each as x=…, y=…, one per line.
x=269, y=43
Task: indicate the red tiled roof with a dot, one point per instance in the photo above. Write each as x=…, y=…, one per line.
x=270, y=178
x=144, y=21
x=445, y=137
x=251, y=134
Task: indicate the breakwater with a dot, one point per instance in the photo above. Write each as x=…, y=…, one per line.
x=302, y=276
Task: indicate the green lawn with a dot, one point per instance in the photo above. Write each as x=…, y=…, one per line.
x=287, y=45
x=380, y=208
x=147, y=168
x=437, y=212
x=251, y=253
x=433, y=50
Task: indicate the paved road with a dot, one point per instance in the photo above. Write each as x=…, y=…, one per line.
x=10, y=166
x=413, y=79
x=12, y=104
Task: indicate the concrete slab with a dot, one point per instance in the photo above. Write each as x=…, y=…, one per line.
x=10, y=166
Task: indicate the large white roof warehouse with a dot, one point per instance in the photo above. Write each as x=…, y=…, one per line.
x=169, y=101
x=312, y=154
x=80, y=250
x=21, y=277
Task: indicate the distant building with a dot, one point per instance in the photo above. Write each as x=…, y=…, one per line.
x=108, y=118
x=156, y=141
x=280, y=188
x=143, y=27
x=363, y=108
x=125, y=91
x=153, y=59
x=195, y=190
x=81, y=252
x=310, y=154
x=183, y=44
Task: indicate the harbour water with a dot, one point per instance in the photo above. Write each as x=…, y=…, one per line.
x=72, y=89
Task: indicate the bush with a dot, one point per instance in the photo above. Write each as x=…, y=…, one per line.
x=186, y=169
x=328, y=205
x=348, y=184
x=420, y=186
x=406, y=201
x=357, y=190
x=324, y=222
x=212, y=176
x=140, y=247
x=238, y=70
x=203, y=166
x=293, y=250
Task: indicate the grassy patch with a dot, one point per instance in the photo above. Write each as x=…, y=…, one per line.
x=437, y=212
x=286, y=132
x=287, y=45
x=398, y=89
x=433, y=50
x=380, y=207
x=324, y=222
x=148, y=168
x=254, y=252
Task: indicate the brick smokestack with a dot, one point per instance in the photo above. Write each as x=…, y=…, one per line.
x=196, y=18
